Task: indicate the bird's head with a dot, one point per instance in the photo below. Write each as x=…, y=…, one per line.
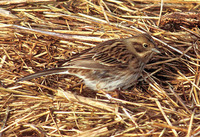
x=141, y=45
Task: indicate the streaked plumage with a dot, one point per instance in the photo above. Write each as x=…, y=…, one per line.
x=110, y=65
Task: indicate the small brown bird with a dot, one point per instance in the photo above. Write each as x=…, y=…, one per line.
x=111, y=65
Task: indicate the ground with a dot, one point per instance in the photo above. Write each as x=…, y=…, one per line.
x=39, y=35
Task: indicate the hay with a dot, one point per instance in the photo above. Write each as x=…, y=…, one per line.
x=39, y=34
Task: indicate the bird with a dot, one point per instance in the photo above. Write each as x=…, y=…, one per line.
x=111, y=65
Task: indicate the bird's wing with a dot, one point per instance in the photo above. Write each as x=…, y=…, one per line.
x=112, y=53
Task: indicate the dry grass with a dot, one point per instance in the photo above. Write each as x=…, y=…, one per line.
x=38, y=35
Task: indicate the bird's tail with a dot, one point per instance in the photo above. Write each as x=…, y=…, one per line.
x=44, y=73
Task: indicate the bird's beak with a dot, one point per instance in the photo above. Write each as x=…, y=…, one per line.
x=155, y=50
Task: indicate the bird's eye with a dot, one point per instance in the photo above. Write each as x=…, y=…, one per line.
x=145, y=45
